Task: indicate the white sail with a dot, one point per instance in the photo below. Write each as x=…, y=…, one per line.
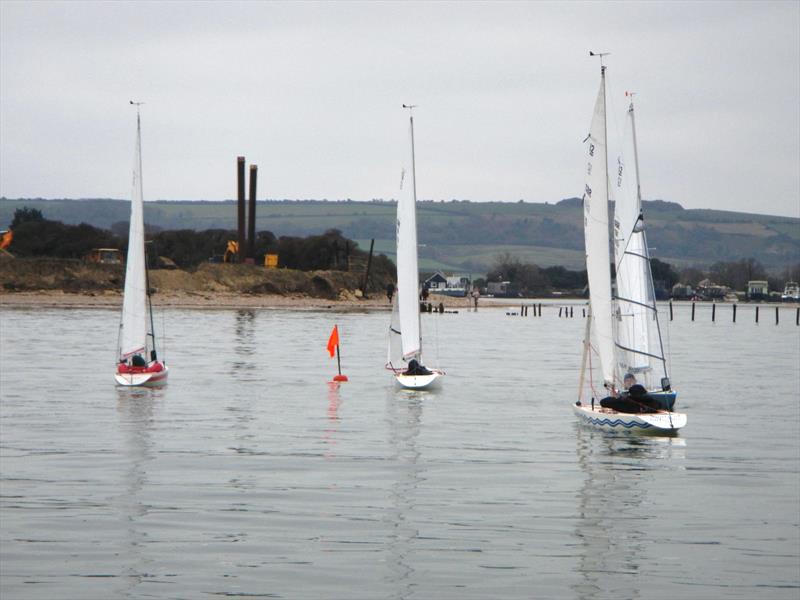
x=598, y=255
x=394, y=359
x=639, y=347
x=133, y=327
x=407, y=266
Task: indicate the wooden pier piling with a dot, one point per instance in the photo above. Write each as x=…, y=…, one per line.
x=713, y=311
x=756, y=314
x=734, y=313
x=776, y=315
x=692, y=311
x=670, y=310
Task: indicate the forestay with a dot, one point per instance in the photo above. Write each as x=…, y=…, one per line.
x=394, y=360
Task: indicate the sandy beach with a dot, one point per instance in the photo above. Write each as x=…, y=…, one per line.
x=200, y=300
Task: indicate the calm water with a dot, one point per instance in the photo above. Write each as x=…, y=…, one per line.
x=249, y=476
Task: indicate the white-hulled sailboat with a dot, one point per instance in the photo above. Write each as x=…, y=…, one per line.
x=137, y=360
x=405, y=342
x=622, y=331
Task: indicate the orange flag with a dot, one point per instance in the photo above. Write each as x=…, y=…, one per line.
x=333, y=341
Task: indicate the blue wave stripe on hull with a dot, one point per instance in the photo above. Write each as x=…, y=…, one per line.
x=617, y=423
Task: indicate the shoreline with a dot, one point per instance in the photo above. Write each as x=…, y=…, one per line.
x=231, y=300
x=211, y=300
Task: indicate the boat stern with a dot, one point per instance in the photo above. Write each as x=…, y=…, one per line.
x=418, y=382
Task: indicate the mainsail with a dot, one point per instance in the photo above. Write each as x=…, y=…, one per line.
x=639, y=347
x=407, y=266
x=394, y=359
x=595, y=220
x=133, y=327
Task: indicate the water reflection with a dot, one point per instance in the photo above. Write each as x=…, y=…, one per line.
x=615, y=511
x=329, y=434
x=136, y=407
x=404, y=416
x=245, y=344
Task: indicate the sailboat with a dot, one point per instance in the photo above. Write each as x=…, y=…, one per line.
x=622, y=330
x=137, y=360
x=405, y=341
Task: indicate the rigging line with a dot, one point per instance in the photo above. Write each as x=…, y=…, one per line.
x=630, y=237
x=629, y=253
x=652, y=290
x=163, y=333
x=436, y=341
x=643, y=353
x=648, y=306
x=591, y=372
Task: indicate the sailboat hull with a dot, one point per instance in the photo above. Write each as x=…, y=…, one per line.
x=642, y=423
x=418, y=382
x=144, y=378
x=666, y=400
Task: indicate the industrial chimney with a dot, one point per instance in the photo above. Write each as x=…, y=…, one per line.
x=251, y=218
x=240, y=213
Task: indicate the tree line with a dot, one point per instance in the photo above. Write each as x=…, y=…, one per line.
x=36, y=236
x=530, y=279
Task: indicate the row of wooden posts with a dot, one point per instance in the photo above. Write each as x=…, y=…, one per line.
x=569, y=312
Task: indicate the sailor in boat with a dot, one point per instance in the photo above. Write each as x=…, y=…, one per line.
x=414, y=368
x=634, y=399
x=138, y=364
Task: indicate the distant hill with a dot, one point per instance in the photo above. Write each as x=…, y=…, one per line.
x=464, y=235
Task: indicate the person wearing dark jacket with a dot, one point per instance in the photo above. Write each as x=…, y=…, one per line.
x=636, y=400
x=414, y=368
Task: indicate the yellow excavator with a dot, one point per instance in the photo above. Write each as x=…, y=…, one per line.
x=5, y=239
x=231, y=252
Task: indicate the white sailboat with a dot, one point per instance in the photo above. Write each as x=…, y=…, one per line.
x=405, y=341
x=622, y=332
x=137, y=360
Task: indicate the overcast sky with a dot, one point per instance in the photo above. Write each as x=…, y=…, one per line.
x=312, y=93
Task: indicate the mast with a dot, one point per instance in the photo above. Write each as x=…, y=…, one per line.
x=407, y=262
x=410, y=108
x=586, y=349
x=596, y=221
x=646, y=248
x=152, y=332
x=133, y=324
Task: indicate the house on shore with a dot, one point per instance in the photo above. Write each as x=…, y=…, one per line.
x=502, y=289
x=757, y=290
x=453, y=285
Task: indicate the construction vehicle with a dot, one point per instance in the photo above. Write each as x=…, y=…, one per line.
x=271, y=261
x=5, y=241
x=231, y=252
x=5, y=238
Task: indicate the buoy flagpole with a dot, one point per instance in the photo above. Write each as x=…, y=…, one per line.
x=333, y=342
